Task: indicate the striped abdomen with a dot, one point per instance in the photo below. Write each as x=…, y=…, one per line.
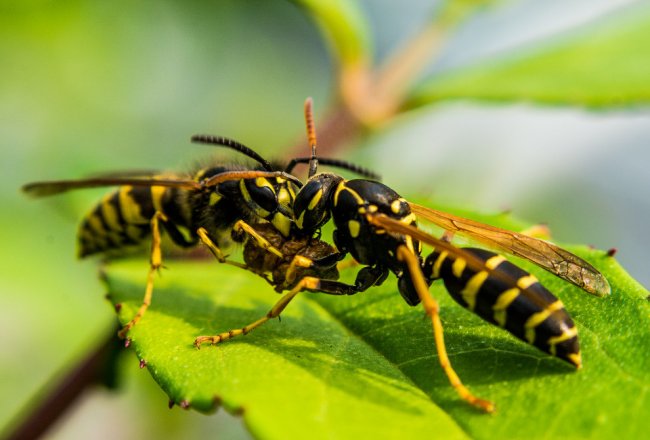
x=122, y=218
x=512, y=298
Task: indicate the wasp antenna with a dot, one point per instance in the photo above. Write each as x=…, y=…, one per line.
x=222, y=141
x=313, y=162
x=311, y=135
x=309, y=119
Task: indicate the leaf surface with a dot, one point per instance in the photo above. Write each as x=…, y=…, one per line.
x=342, y=23
x=365, y=365
x=606, y=65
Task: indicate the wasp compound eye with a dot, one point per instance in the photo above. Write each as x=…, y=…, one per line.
x=311, y=207
x=260, y=195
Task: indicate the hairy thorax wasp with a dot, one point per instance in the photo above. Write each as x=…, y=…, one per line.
x=217, y=206
x=278, y=219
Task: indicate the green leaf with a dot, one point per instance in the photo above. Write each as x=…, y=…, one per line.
x=365, y=365
x=343, y=25
x=606, y=65
x=307, y=375
x=454, y=12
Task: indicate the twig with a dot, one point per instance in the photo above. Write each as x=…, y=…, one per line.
x=96, y=368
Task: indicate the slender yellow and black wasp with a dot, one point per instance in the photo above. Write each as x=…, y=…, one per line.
x=379, y=229
x=216, y=206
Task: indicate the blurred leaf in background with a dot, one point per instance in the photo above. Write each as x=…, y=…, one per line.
x=90, y=87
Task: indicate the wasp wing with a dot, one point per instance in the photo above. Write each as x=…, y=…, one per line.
x=472, y=261
x=131, y=174
x=546, y=255
x=50, y=188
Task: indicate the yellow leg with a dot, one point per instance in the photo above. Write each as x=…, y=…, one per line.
x=347, y=264
x=261, y=241
x=306, y=283
x=156, y=263
x=218, y=253
x=296, y=262
x=206, y=240
x=432, y=309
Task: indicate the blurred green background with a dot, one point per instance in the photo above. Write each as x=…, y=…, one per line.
x=87, y=87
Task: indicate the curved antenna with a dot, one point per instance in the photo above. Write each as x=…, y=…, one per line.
x=311, y=136
x=345, y=165
x=230, y=143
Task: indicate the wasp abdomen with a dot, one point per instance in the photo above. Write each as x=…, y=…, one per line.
x=122, y=218
x=508, y=297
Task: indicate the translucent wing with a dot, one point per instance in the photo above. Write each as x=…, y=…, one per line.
x=42, y=189
x=472, y=261
x=50, y=188
x=554, y=259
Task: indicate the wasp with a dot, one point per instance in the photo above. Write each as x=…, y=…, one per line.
x=216, y=206
x=379, y=229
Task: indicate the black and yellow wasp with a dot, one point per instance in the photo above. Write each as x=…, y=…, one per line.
x=378, y=228
x=216, y=206
x=278, y=218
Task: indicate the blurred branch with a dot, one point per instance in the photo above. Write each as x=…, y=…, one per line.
x=370, y=97
x=99, y=367
x=382, y=95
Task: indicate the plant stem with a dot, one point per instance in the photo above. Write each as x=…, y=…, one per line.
x=96, y=368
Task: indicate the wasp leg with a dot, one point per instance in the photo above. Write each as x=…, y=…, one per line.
x=309, y=263
x=311, y=284
x=432, y=309
x=155, y=264
x=260, y=240
x=296, y=262
x=206, y=240
x=218, y=253
x=347, y=264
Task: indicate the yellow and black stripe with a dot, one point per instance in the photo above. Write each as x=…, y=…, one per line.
x=122, y=218
x=509, y=297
